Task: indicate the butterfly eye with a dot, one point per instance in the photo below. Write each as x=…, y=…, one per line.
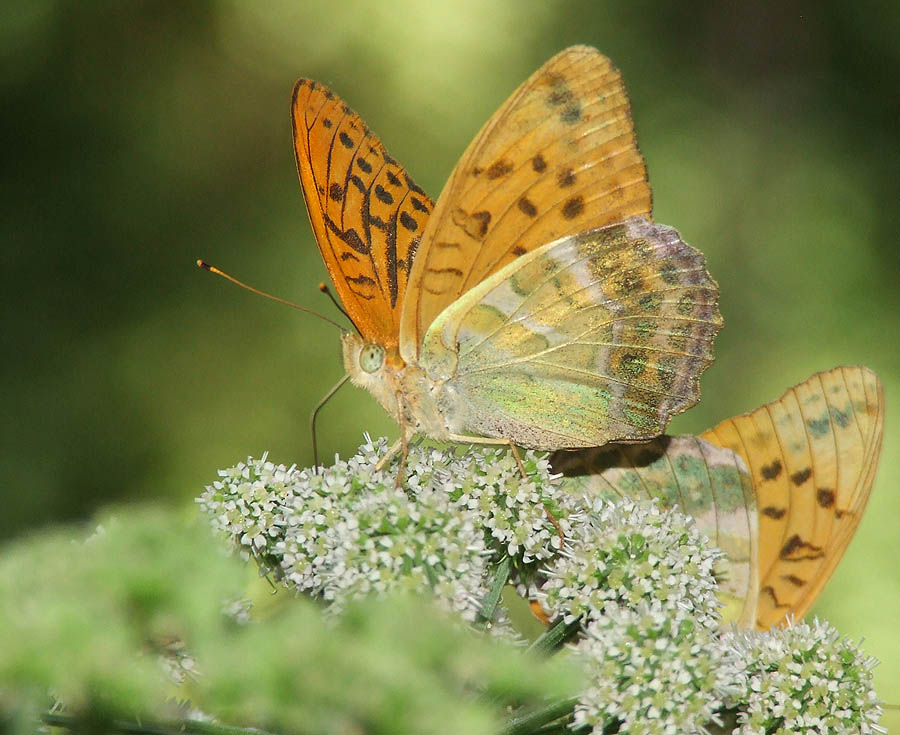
x=371, y=358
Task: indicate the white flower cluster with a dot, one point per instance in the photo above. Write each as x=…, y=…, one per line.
x=177, y=664
x=489, y=485
x=628, y=552
x=347, y=531
x=238, y=610
x=640, y=579
x=804, y=680
x=653, y=673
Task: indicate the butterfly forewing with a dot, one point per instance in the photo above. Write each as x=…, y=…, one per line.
x=597, y=337
x=812, y=456
x=366, y=212
x=708, y=482
x=559, y=157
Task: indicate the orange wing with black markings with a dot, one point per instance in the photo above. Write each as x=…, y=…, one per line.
x=366, y=212
x=812, y=456
x=559, y=157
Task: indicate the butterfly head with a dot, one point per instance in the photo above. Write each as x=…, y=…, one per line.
x=371, y=358
x=363, y=357
x=372, y=366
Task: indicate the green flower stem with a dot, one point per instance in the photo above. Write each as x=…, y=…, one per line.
x=492, y=599
x=175, y=727
x=533, y=721
x=550, y=641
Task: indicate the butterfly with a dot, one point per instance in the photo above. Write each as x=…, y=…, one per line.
x=535, y=303
x=780, y=490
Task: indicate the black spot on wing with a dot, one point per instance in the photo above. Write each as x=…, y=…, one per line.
x=526, y=207
x=773, y=470
x=794, y=579
x=412, y=186
x=795, y=545
x=571, y=114
x=349, y=237
x=408, y=222
x=452, y=271
x=801, y=476
x=499, y=169
x=770, y=591
x=383, y=195
x=362, y=280
x=359, y=184
x=565, y=178
x=573, y=207
x=483, y=220
x=377, y=222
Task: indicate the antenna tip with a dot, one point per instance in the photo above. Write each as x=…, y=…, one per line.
x=203, y=264
x=322, y=287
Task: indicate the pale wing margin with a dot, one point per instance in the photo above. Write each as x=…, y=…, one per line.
x=596, y=337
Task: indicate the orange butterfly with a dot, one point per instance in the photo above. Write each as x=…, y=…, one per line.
x=535, y=303
x=780, y=489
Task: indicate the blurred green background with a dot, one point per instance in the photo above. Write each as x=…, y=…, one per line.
x=139, y=136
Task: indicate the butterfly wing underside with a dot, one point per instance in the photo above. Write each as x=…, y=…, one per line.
x=710, y=483
x=599, y=336
x=366, y=212
x=812, y=456
x=558, y=158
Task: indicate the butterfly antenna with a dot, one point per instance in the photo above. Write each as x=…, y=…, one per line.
x=323, y=287
x=314, y=415
x=212, y=269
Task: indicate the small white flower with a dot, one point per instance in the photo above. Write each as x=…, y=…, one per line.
x=653, y=673
x=630, y=551
x=347, y=531
x=808, y=678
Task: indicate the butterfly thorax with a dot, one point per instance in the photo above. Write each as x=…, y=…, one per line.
x=402, y=389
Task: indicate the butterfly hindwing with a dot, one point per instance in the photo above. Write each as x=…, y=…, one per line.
x=558, y=158
x=812, y=456
x=806, y=464
x=366, y=212
x=596, y=337
x=708, y=482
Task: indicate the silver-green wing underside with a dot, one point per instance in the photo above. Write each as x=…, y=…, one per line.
x=596, y=337
x=710, y=483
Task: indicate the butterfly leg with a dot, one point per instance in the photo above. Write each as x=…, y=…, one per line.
x=515, y=453
x=404, y=441
x=401, y=445
x=404, y=453
x=391, y=453
x=463, y=439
